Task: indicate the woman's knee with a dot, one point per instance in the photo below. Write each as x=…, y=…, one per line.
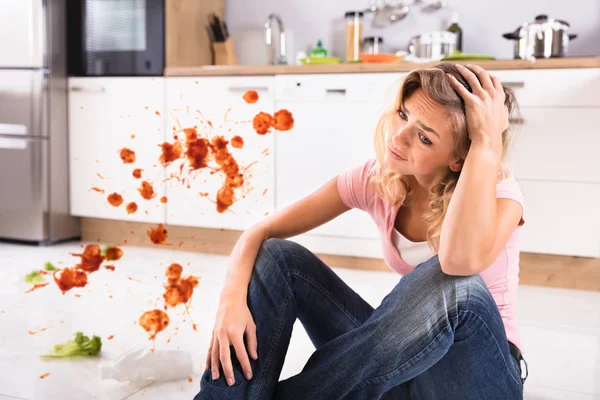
x=274, y=257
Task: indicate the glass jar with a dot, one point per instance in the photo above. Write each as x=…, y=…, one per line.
x=372, y=45
x=354, y=34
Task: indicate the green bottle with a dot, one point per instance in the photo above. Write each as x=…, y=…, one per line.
x=319, y=51
x=456, y=29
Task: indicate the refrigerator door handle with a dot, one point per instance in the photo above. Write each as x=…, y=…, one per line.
x=39, y=103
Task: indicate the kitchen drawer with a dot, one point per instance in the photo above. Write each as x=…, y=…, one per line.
x=561, y=218
x=351, y=88
x=559, y=144
x=554, y=87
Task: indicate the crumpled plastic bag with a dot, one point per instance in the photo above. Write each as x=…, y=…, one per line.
x=144, y=365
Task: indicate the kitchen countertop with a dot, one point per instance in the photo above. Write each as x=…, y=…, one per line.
x=239, y=70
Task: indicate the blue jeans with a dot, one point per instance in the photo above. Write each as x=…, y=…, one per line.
x=434, y=336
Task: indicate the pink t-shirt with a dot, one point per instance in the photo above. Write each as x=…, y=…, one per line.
x=502, y=277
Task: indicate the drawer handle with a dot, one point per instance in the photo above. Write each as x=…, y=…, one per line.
x=519, y=84
x=518, y=121
x=100, y=89
x=336, y=91
x=244, y=89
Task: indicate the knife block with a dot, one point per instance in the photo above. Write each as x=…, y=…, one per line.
x=224, y=53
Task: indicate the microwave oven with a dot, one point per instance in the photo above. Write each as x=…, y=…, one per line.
x=115, y=37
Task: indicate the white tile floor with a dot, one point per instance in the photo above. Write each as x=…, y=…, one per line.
x=561, y=328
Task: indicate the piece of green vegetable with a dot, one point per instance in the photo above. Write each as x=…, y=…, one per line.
x=34, y=277
x=79, y=346
x=103, y=252
x=49, y=267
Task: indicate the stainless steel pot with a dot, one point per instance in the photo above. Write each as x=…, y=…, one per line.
x=543, y=38
x=433, y=45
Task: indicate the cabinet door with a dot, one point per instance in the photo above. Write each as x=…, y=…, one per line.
x=327, y=140
x=216, y=107
x=561, y=218
x=107, y=115
x=557, y=144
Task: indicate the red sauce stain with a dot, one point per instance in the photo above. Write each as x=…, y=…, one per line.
x=164, y=199
x=283, y=120
x=77, y=295
x=178, y=290
x=36, y=332
x=191, y=134
x=127, y=155
x=47, y=374
x=146, y=190
x=131, y=208
x=262, y=122
x=36, y=287
x=265, y=192
x=180, y=244
x=195, y=327
x=251, y=97
x=158, y=235
x=190, y=379
x=234, y=179
x=97, y=189
x=113, y=253
x=137, y=173
x=110, y=267
x=115, y=199
x=91, y=258
x=237, y=142
x=69, y=278
x=111, y=337
x=100, y=176
x=157, y=113
x=133, y=136
x=170, y=152
x=197, y=153
x=154, y=322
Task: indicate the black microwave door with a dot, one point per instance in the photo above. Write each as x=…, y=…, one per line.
x=119, y=38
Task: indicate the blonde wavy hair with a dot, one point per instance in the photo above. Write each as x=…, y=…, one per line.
x=395, y=188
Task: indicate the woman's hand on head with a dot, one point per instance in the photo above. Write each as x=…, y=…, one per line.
x=233, y=321
x=487, y=116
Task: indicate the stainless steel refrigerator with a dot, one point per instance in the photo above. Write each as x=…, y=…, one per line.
x=34, y=179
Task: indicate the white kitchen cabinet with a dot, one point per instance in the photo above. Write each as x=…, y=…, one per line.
x=569, y=87
x=105, y=116
x=335, y=118
x=215, y=106
x=561, y=218
x=558, y=144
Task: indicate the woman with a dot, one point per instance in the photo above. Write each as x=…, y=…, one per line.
x=449, y=217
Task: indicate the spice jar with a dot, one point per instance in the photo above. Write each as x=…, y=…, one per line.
x=354, y=34
x=372, y=45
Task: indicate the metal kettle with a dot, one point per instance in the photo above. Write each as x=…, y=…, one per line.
x=543, y=38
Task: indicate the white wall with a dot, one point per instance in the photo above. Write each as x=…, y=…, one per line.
x=483, y=22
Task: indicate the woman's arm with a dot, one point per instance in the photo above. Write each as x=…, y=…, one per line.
x=477, y=225
x=304, y=215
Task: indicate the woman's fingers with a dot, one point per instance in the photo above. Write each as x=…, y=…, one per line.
x=459, y=87
x=484, y=78
x=471, y=78
x=251, y=341
x=242, y=356
x=225, y=357
x=207, y=363
x=497, y=83
x=215, y=358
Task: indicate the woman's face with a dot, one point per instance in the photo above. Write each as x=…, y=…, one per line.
x=420, y=142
